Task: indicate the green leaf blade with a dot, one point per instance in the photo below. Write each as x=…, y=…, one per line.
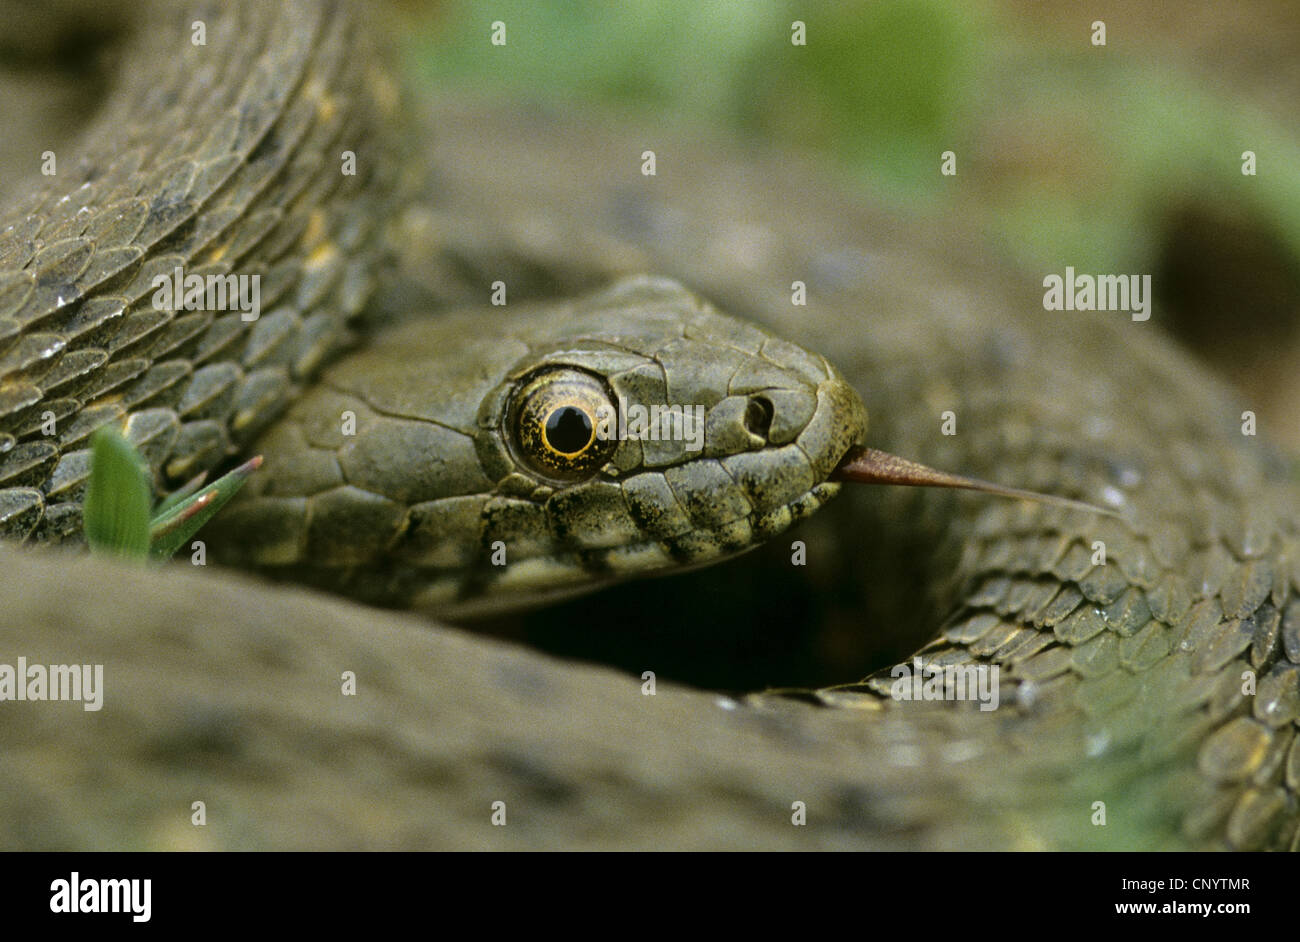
x=179, y=521
x=116, y=512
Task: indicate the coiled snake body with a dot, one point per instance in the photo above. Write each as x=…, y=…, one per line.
x=1147, y=700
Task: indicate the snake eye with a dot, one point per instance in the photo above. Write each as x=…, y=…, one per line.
x=557, y=416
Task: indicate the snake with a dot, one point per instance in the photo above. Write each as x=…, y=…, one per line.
x=430, y=453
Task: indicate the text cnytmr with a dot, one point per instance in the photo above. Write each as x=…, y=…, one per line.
x=76, y=895
x=84, y=682
x=921, y=681
x=1098, y=293
x=212, y=292
x=654, y=423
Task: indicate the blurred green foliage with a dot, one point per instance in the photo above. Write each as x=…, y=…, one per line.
x=117, y=498
x=1065, y=151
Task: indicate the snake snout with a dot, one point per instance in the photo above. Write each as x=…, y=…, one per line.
x=838, y=425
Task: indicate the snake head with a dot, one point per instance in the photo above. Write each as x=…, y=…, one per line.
x=507, y=457
x=656, y=434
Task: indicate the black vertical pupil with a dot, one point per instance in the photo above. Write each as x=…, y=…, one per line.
x=568, y=430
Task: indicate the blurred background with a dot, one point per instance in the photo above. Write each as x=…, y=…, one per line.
x=1117, y=158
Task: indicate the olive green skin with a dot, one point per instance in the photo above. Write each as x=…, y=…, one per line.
x=1124, y=681
x=402, y=477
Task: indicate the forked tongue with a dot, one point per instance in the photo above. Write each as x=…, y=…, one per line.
x=870, y=466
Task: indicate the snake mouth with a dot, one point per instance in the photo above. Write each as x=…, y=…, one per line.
x=857, y=467
x=556, y=576
x=845, y=468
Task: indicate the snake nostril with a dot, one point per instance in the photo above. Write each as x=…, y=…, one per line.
x=758, y=416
